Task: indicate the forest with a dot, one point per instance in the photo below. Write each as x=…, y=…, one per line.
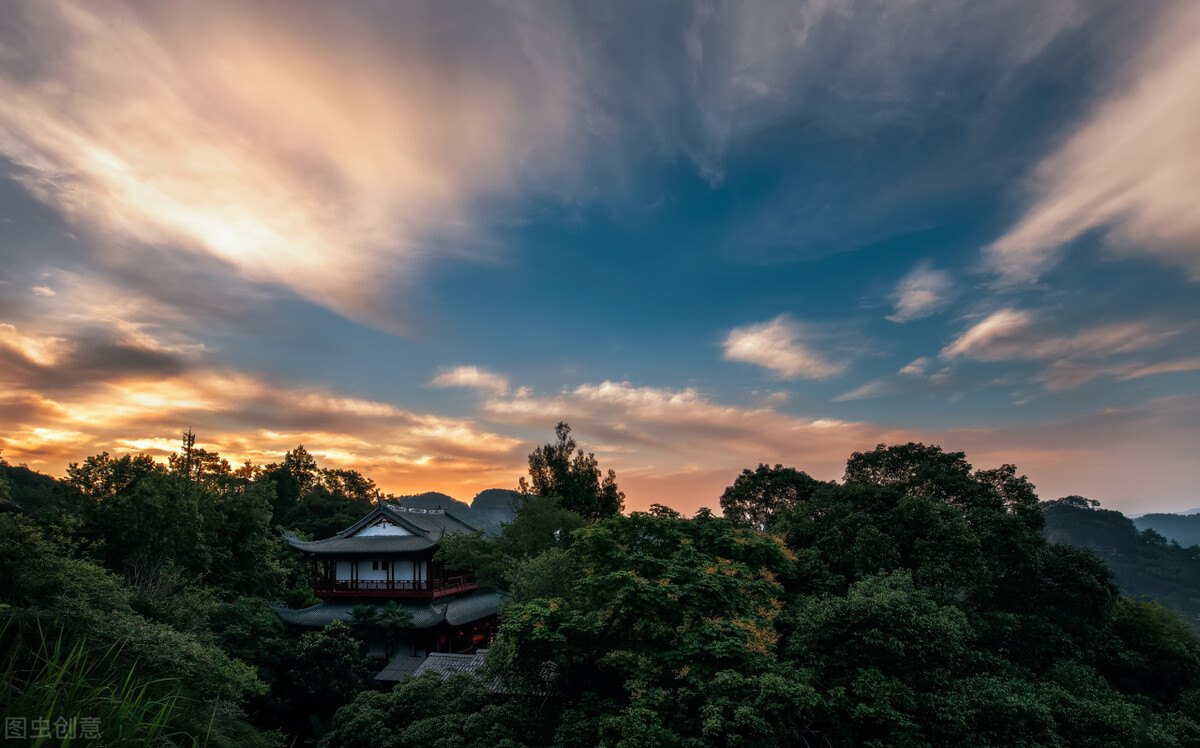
x=915, y=602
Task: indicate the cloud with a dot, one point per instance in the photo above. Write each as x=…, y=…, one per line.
x=249, y=417
x=874, y=388
x=781, y=346
x=919, y=294
x=1017, y=335
x=687, y=447
x=318, y=156
x=684, y=431
x=1002, y=335
x=704, y=76
x=1132, y=168
x=472, y=377
x=918, y=367
x=915, y=376
x=1069, y=373
x=1013, y=334
x=676, y=446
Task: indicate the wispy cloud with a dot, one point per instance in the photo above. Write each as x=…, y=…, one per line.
x=921, y=293
x=1133, y=167
x=912, y=377
x=1015, y=334
x=782, y=346
x=1018, y=335
x=686, y=434
x=320, y=157
x=683, y=447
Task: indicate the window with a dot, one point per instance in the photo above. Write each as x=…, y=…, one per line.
x=374, y=564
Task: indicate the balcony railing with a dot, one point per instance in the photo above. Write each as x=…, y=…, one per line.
x=395, y=587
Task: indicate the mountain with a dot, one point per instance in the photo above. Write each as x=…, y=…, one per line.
x=1182, y=528
x=493, y=507
x=486, y=511
x=1144, y=562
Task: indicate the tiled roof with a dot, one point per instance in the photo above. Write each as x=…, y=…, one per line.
x=372, y=544
x=455, y=611
x=446, y=665
x=399, y=667
x=427, y=526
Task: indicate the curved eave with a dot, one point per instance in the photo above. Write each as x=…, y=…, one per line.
x=372, y=545
x=455, y=611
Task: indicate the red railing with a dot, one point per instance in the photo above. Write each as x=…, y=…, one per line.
x=395, y=587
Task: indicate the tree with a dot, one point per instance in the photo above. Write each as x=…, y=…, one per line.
x=198, y=464
x=101, y=476
x=331, y=666
x=561, y=469
x=5, y=485
x=915, y=469
x=755, y=497
x=427, y=711
x=302, y=465
x=659, y=605
x=540, y=525
x=384, y=623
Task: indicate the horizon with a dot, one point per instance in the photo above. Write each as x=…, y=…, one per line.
x=413, y=238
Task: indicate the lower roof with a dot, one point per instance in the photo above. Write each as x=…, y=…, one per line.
x=425, y=614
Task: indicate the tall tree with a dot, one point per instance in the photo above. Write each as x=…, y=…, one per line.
x=562, y=469
x=198, y=464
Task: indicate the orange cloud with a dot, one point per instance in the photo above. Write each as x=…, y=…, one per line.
x=678, y=447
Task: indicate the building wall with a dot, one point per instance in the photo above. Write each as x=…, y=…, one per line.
x=404, y=569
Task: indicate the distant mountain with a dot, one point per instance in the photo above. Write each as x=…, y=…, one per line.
x=1144, y=562
x=486, y=511
x=493, y=507
x=1182, y=528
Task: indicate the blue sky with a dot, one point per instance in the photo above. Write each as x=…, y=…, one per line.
x=416, y=236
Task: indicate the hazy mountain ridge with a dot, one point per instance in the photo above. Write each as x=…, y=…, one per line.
x=1144, y=561
x=1182, y=528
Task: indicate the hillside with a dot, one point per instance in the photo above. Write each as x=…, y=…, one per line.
x=1182, y=528
x=1144, y=562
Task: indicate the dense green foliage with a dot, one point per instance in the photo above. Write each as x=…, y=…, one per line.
x=916, y=603
x=459, y=712
x=158, y=576
x=1144, y=563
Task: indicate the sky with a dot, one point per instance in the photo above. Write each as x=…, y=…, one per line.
x=413, y=237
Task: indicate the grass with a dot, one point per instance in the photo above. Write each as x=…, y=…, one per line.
x=47, y=674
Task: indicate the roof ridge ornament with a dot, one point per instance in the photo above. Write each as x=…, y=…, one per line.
x=415, y=510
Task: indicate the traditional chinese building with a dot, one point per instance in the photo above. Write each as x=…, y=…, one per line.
x=389, y=555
